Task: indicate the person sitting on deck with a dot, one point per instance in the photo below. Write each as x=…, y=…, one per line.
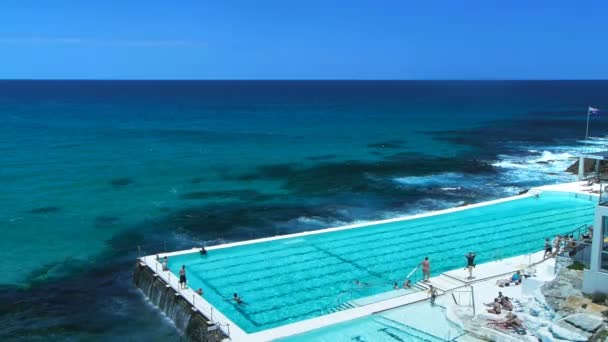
x=496, y=308
x=166, y=264
x=512, y=321
x=506, y=304
x=407, y=284
x=237, y=299
x=589, y=234
x=203, y=251
x=514, y=280
x=500, y=296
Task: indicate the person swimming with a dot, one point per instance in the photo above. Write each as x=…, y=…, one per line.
x=237, y=299
x=203, y=251
x=395, y=286
x=361, y=284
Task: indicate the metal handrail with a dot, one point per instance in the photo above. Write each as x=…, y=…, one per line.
x=459, y=292
x=350, y=292
x=577, y=230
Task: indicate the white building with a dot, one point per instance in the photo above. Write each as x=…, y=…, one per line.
x=595, y=279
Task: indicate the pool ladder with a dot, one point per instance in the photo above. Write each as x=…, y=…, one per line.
x=342, y=307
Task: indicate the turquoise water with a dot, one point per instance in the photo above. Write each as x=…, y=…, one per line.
x=90, y=170
x=412, y=323
x=285, y=281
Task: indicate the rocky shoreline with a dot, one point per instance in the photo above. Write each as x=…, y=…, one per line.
x=577, y=317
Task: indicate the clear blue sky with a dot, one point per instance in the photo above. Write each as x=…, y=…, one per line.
x=310, y=39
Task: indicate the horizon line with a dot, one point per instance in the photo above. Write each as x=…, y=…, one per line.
x=310, y=80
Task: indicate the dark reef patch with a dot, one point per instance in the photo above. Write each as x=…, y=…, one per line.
x=236, y=221
x=45, y=210
x=121, y=182
x=322, y=157
x=363, y=177
x=243, y=195
x=99, y=304
x=389, y=144
x=513, y=135
x=197, y=180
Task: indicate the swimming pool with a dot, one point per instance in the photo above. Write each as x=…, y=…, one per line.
x=419, y=322
x=288, y=280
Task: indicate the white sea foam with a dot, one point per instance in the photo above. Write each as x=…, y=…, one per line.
x=446, y=178
x=546, y=166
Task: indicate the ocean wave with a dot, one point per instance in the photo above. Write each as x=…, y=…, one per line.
x=543, y=166
x=444, y=178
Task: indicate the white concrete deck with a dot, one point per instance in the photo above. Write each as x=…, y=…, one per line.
x=580, y=188
x=445, y=282
x=496, y=268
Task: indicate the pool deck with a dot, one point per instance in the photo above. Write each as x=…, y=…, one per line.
x=445, y=282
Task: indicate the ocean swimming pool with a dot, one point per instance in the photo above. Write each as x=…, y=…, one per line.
x=292, y=279
x=419, y=322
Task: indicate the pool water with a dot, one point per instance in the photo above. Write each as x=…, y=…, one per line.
x=289, y=280
x=412, y=323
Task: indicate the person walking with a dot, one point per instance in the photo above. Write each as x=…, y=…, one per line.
x=426, y=269
x=432, y=293
x=182, y=277
x=548, y=249
x=470, y=263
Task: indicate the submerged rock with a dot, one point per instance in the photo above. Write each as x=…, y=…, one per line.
x=45, y=210
x=120, y=182
x=387, y=144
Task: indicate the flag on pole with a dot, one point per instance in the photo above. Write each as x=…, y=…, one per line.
x=592, y=111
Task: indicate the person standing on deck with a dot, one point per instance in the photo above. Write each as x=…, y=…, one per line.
x=548, y=249
x=433, y=294
x=470, y=263
x=426, y=269
x=557, y=244
x=182, y=277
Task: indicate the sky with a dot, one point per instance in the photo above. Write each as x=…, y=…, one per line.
x=308, y=39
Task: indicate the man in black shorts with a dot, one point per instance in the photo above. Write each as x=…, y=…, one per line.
x=548, y=249
x=470, y=263
x=182, y=277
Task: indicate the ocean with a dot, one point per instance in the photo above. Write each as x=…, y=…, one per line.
x=95, y=173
